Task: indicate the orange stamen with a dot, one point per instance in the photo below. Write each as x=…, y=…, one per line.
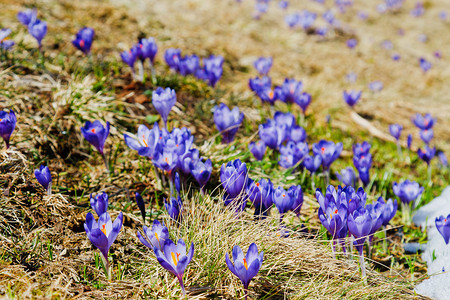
x=93, y=130
x=103, y=229
x=323, y=150
x=284, y=195
x=245, y=264
x=270, y=94
x=336, y=211
x=257, y=184
x=81, y=43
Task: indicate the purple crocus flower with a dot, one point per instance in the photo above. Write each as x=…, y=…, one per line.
x=360, y=225
x=27, y=17
x=141, y=205
x=290, y=90
x=96, y=134
x=273, y=134
x=259, y=84
x=283, y=4
x=389, y=210
x=4, y=42
x=285, y=200
x=376, y=86
x=166, y=157
x=312, y=163
x=38, y=29
x=424, y=122
x=245, y=267
x=261, y=195
x=7, y=125
x=351, y=77
x=174, y=258
x=306, y=19
x=227, y=121
x=351, y=43
x=154, y=238
x=333, y=212
x=129, y=57
x=163, y=100
x=362, y=164
x=268, y=95
x=213, y=69
x=201, y=171
x=352, y=97
x=407, y=191
x=304, y=100
x=233, y=177
x=426, y=135
x=443, y=158
x=328, y=151
x=395, y=57
x=395, y=130
x=356, y=199
x=189, y=65
x=361, y=149
x=184, y=161
x=347, y=176
x=263, y=65
x=287, y=119
x=297, y=134
x=146, y=140
x=427, y=153
x=174, y=208
x=443, y=226
x=177, y=183
x=258, y=149
x=103, y=233
x=409, y=141
x=292, y=20
x=83, y=39
x=44, y=177
x=425, y=65
x=147, y=48
x=99, y=203
x=172, y=57
x=418, y=10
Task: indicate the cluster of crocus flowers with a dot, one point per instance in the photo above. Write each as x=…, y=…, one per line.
x=144, y=49
x=362, y=159
x=5, y=43
x=303, y=19
x=96, y=134
x=44, y=177
x=408, y=192
x=211, y=71
x=103, y=232
x=83, y=40
x=245, y=267
x=227, y=121
x=344, y=212
x=36, y=27
x=172, y=257
x=7, y=125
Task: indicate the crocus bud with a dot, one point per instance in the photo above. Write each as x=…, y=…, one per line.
x=7, y=125
x=44, y=177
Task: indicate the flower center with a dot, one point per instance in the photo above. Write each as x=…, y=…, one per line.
x=145, y=142
x=322, y=150
x=245, y=264
x=176, y=258
x=93, y=130
x=257, y=184
x=284, y=195
x=156, y=236
x=81, y=43
x=104, y=229
x=270, y=94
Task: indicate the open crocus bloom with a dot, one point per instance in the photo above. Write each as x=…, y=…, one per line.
x=245, y=267
x=174, y=258
x=155, y=237
x=96, y=134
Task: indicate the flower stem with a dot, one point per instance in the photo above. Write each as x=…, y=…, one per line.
x=363, y=267
x=385, y=240
x=180, y=279
x=107, y=266
x=106, y=163
x=171, y=187
x=399, y=149
x=430, y=183
x=49, y=189
x=140, y=71
x=153, y=73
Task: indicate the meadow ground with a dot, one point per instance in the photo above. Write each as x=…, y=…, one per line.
x=44, y=249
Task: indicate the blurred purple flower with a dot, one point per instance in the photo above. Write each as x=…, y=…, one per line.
x=328, y=151
x=174, y=208
x=83, y=39
x=351, y=77
x=27, y=17
x=363, y=164
x=129, y=57
x=99, y=203
x=352, y=97
x=38, y=29
x=4, y=42
x=395, y=130
x=347, y=177
x=312, y=163
x=292, y=20
x=189, y=65
x=389, y=210
x=44, y=177
x=201, y=171
x=376, y=86
x=423, y=38
x=147, y=48
x=290, y=91
x=213, y=69
x=407, y=191
x=418, y=10
x=258, y=149
x=409, y=140
x=351, y=43
x=443, y=15
x=96, y=134
x=396, y=57
x=7, y=125
x=443, y=158
x=172, y=57
x=263, y=65
x=427, y=153
x=233, y=177
x=424, y=122
x=297, y=134
x=273, y=134
x=163, y=100
x=227, y=121
x=174, y=258
x=424, y=64
x=426, y=135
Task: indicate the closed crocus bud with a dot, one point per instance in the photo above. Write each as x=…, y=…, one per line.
x=328, y=151
x=298, y=199
x=129, y=57
x=174, y=208
x=258, y=149
x=163, y=100
x=303, y=101
x=426, y=135
x=141, y=205
x=233, y=177
x=27, y=17
x=38, y=29
x=312, y=163
x=424, y=122
x=363, y=164
x=409, y=141
x=352, y=97
x=7, y=125
x=395, y=130
x=351, y=43
x=201, y=171
x=96, y=134
x=99, y=203
x=184, y=161
x=263, y=65
x=213, y=69
x=44, y=177
x=172, y=57
x=227, y=121
x=177, y=183
x=154, y=238
x=443, y=226
x=407, y=191
x=347, y=176
x=147, y=49
x=245, y=267
x=83, y=39
x=426, y=154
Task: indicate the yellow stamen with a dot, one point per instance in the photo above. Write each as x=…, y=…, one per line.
x=175, y=259
x=156, y=235
x=245, y=264
x=103, y=229
x=145, y=142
